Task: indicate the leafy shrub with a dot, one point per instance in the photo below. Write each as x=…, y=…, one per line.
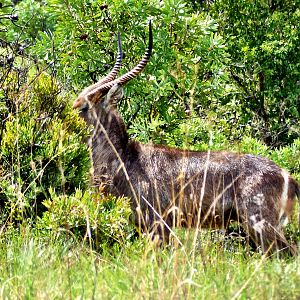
x=262, y=38
x=41, y=147
x=102, y=221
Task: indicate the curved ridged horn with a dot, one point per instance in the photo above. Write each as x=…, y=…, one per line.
x=111, y=76
x=103, y=89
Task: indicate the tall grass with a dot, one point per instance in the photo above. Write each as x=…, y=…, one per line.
x=35, y=267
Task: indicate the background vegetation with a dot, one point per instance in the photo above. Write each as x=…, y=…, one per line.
x=223, y=75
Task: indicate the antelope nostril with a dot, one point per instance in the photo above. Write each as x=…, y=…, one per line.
x=76, y=104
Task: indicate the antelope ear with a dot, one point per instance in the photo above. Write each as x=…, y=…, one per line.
x=114, y=95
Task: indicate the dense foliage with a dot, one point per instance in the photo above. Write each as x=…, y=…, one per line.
x=231, y=66
x=263, y=43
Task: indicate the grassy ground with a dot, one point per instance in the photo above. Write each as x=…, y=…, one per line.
x=33, y=267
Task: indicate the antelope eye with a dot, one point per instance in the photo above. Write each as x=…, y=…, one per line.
x=84, y=108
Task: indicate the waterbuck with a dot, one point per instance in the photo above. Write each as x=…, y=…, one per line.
x=170, y=187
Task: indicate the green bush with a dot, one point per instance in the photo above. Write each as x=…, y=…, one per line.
x=41, y=147
x=262, y=38
x=101, y=221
